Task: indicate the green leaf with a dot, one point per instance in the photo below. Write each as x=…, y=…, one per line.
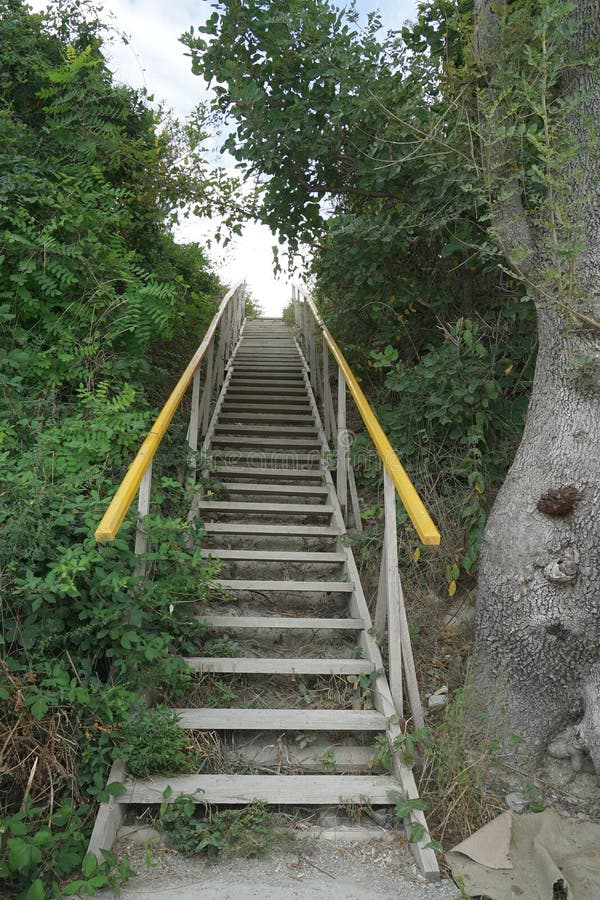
x=36, y=890
x=89, y=864
x=116, y=789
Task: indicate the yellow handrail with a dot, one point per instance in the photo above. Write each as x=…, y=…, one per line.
x=112, y=519
x=413, y=504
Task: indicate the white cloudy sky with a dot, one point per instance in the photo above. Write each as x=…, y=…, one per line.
x=155, y=59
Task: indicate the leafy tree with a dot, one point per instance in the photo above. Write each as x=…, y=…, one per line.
x=538, y=632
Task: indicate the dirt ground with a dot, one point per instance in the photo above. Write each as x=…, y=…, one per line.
x=330, y=867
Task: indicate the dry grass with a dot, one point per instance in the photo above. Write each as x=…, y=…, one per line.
x=38, y=757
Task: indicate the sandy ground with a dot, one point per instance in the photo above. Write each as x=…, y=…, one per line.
x=335, y=868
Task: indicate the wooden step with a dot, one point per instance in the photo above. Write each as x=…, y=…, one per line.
x=209, y=719
x=277, y=666
x=263, y=418
x=259, y=381
x=256, y=528
x=325, y=587
x=229, y=456
x=268, y=428
x=235, y=387
x=296, y=623
x=276, y=555
x=312, y=490
x=297, y=790
x=286, y=442
x=303, y=509
x=231, y=405
x=286, y=401
x=263, y=472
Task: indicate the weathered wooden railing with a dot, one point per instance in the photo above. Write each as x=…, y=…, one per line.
x=215, y=352
x=317, y=344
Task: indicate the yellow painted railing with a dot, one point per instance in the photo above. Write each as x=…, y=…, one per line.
x=229, y=317
x=425, y=528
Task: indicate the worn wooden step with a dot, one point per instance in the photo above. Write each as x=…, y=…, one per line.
x=258, y=381
x=326, y=587
x=265, y=472
x=268, y=428
x=209, y=719
x=274, y=529
x=303, y=509
x=302, y=790
x=295, y=623
x=286, y=401
x=278, y=666
x=230, y=405
x=310, y=461
x=291, y=442
x=275, y=555
x=266, y=390
x=312, y=490
x=264, y=418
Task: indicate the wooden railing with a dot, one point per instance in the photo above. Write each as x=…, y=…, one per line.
x=318, y=344
x=215, y=351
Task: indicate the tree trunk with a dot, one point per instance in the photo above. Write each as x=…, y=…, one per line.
x=538, y=613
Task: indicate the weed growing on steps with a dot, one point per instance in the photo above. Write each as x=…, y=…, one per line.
x=154, y=743
x=193, y=829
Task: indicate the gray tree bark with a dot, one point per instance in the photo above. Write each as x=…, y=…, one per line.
x=537, y=646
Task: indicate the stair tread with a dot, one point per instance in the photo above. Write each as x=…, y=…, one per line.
x=284, y=622
x=275, y=555
x=234, y=506
x=215, y=719
x=265, y=665
x=285, y=441
x=250, y=487
x=268, y=528
x=252, y=470
x=307, y=789
x=243, y=584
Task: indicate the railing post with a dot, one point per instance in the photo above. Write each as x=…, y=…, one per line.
x=141, y=539
x=393, y=592
x=342, y=447
x=208, y=388
x=192, y=435
x=312, y=349
x=326, y=392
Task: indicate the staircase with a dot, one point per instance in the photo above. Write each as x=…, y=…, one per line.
x=305, y=678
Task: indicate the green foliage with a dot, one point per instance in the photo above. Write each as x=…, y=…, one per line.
x=250, y=832
x=153, y=743
x=461, y=404
x=38, y=852
x=97, y=301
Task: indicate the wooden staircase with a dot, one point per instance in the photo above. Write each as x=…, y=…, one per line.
x=295, y=609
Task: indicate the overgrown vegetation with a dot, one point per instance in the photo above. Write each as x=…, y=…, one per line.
x=95, y=297
x=193, y=829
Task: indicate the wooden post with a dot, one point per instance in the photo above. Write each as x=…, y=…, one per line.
x=192, y=435
x=392, y=582
x=141, y=540
x=312, y=347
x=208, y=389
x=354, y=498
x=342, y=447
x=410, y=672
x=382, y=600
x=326, y=391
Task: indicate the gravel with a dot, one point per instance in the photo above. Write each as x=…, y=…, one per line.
x=332, y=868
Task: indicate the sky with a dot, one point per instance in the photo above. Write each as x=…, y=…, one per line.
x=153, y=58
